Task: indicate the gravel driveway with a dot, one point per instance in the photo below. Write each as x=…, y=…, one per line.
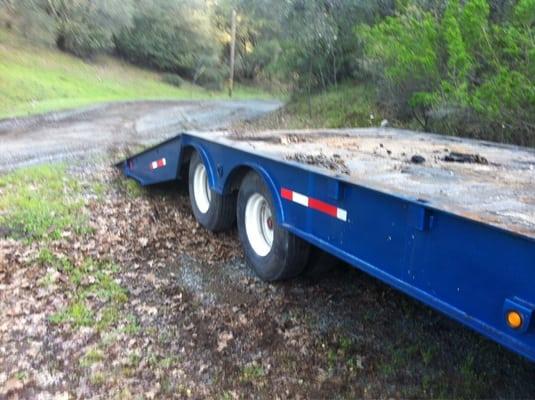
x=60, y=135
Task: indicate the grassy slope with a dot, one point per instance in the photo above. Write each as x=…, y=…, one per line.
x=36, y=79
x=348, y=105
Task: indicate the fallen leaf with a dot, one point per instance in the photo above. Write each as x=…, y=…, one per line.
x=223, y=339
x=12, y=385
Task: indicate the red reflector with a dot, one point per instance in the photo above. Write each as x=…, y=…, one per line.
x=286, y=194
x=158, y=163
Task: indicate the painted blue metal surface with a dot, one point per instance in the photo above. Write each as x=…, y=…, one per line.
x=139, y=166
x=468, y=270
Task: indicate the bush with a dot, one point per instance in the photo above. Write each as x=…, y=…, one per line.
x=82, y=40
x=458, y=71
x=211, y=77
x=167, y=36
x=85, y=28
x=173, y=79
x=401, y=55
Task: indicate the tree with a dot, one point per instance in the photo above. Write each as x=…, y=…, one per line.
x=172, y=36
x=86, y=27
x=466, y=69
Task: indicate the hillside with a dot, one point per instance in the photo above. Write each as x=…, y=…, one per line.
x=37, y=79
x=349, y=105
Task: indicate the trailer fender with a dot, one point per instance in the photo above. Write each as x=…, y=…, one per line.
x=185, y=155
x=235, y=176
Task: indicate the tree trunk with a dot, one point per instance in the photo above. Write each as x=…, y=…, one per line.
x=232, y=52
x=335, y=78
x=309, y=98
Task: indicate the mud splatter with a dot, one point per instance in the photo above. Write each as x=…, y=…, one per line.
x=333, y=163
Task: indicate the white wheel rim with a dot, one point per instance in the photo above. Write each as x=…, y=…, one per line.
x=201, y=189
x=259, y=224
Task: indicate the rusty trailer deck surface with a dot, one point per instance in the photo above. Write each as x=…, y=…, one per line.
x=483, y=181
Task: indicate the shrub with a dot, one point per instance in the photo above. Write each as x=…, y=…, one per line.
x=401, y=55
x=458, y=70
x=211, y=77
x=81, y=40
x=173, y=79
x=167, y=36
x=85, y=28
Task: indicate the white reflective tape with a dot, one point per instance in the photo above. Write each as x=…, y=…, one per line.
x=164, y=162
x=154, y=164
x=316, y=204
x=341, y=214
x=300, y=199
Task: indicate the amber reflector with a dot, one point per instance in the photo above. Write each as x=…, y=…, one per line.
x=514, y=319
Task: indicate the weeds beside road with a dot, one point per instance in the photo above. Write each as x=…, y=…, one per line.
x=111, y=290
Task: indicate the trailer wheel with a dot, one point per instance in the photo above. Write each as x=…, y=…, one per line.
x=272, y=252
x=213, y=211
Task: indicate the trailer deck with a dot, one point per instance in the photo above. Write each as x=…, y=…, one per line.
x=492, y=183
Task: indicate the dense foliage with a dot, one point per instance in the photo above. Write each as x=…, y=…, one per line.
x=466, y=68
x=162, y=35
x=455, y=66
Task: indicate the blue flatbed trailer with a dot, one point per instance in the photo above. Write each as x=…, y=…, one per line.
x=457, y=234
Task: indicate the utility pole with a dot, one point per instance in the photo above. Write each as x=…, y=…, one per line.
x=232, y=52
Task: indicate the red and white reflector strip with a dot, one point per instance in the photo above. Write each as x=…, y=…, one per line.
x=315, y=204
x=158, y=163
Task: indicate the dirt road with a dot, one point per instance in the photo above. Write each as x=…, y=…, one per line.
x=71, y=133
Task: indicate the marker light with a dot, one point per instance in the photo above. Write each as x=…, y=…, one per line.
x=514, y=319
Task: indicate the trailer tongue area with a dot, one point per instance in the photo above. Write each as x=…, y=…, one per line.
x=446, y=220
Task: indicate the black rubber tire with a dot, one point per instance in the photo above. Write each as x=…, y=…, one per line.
x=288, y=255
x=319, y=263
x=221, y=214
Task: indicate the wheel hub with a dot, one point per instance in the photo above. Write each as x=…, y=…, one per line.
x=259, y=224
x=201, y=189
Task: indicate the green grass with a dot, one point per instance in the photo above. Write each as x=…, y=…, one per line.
x=37, y=79
x=131, y=187
x=132, y=327
x=92, y=282
x=91, y=356
x=251, y=373
x=348, y=105
x=98, y=379
x=41, y=203
x=77, y=314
